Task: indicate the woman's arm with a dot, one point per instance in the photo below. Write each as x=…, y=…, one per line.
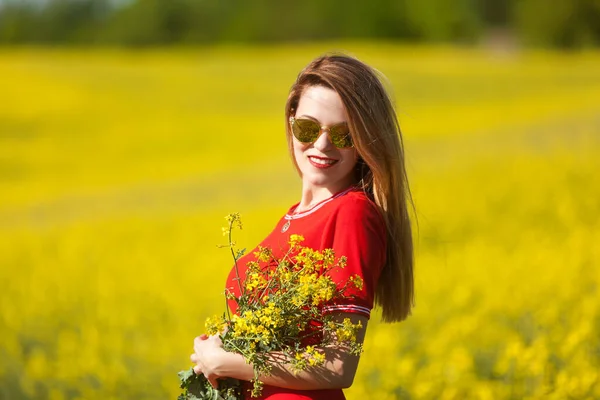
x=338, y=371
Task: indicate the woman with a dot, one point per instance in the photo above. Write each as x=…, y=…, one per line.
x=345, y=142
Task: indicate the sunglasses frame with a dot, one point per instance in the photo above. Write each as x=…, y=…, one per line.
x=322, y=129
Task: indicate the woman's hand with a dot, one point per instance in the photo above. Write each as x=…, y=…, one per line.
x=207, y=357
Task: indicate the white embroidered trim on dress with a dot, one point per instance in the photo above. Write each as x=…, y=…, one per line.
x=315, y=208
x=348, y=308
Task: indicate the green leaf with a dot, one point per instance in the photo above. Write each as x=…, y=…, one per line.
x=184, y=377
x=197, y=387
x=240, y=253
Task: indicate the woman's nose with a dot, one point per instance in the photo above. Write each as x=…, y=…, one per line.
x=323, y=142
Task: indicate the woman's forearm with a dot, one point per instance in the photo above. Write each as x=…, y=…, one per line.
x=337, y=371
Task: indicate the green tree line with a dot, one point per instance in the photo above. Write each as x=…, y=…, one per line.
x=555, y=23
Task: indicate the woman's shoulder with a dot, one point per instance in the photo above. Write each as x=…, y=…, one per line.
x=358, y=207
x=357, y=201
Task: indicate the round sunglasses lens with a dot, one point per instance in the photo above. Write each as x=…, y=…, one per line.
x=306, y=131
x=340, y=137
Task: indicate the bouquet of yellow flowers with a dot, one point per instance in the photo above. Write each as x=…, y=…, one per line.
x=279, y=311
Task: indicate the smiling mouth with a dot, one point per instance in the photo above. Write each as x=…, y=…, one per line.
x=321, y=162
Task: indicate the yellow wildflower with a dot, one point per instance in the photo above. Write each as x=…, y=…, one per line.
x=263, y=254
x=215, y=324
x=357, y=282
x=295, y=240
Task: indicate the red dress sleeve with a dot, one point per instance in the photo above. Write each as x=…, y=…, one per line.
x=359, y=234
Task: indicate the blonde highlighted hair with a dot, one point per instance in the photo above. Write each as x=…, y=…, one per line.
x=380, y=170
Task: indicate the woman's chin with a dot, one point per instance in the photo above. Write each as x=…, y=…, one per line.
x=321, y=182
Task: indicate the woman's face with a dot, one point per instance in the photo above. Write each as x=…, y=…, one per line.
x=321, y=164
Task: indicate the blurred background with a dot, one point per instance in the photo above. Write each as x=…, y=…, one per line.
x=564, y=24
x=129, y=129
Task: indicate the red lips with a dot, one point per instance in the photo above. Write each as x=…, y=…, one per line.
x=324, y=164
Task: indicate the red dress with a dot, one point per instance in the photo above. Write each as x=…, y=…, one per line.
x=349, y=223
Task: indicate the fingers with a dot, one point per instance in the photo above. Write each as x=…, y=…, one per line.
x=198, y=342
x=199, y=339
x=197, y=369
x=213, y=381
x=195, y=357
x=217, y=340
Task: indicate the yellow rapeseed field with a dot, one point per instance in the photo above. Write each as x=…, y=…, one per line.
x=117, y=168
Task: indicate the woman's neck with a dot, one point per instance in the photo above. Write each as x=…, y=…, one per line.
x=311, y=196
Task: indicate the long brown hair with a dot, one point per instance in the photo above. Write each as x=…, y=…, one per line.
x=380, y=170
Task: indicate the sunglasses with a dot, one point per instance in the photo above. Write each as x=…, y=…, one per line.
x=308, y=131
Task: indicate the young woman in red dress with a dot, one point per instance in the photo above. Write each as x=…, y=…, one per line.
x=345, y=141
